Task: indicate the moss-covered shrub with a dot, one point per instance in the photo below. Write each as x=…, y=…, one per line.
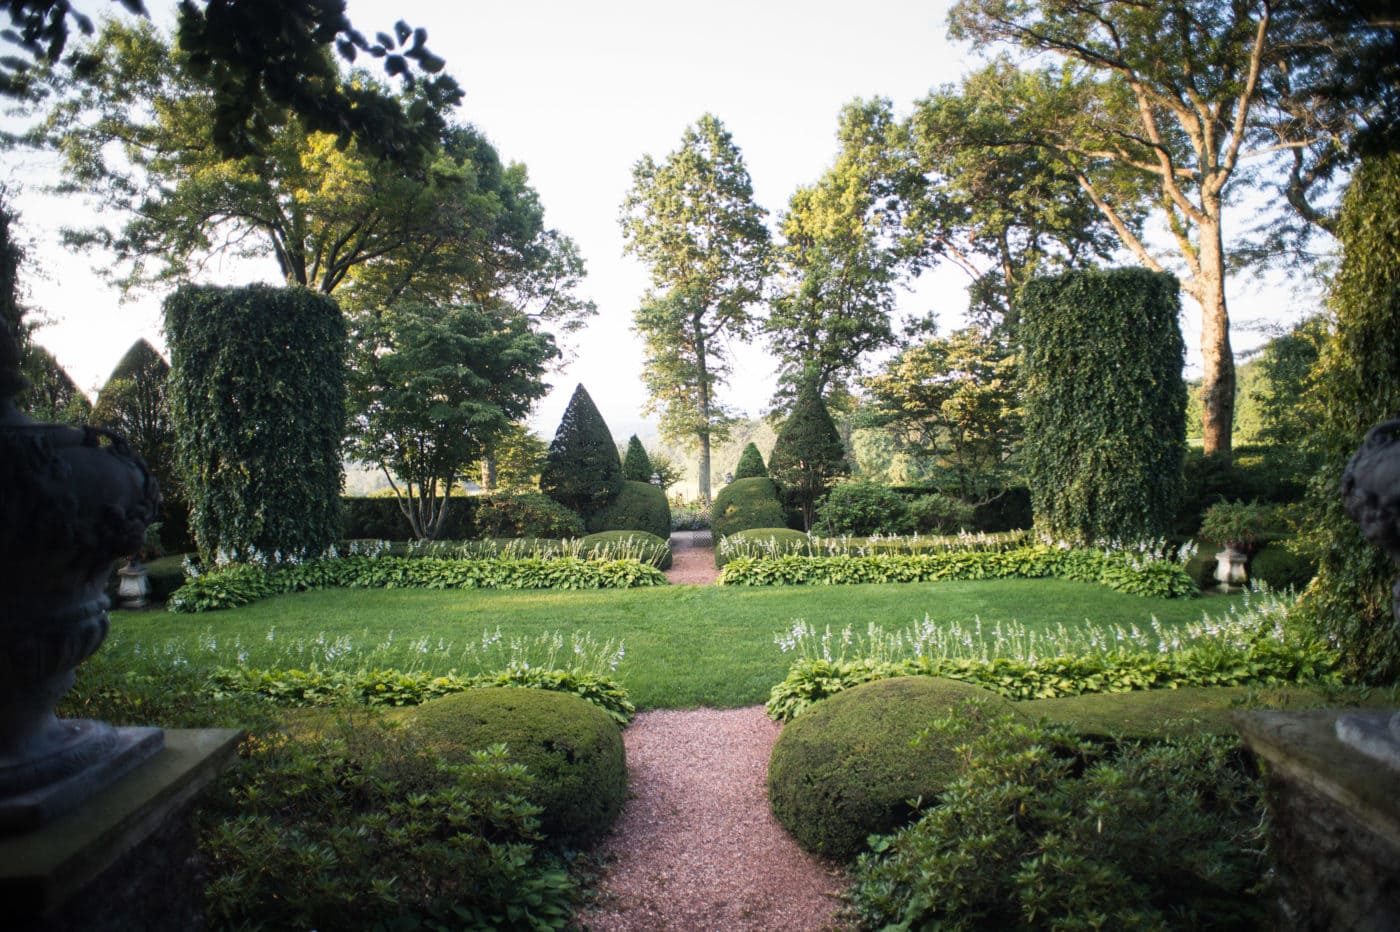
x=571, y=747
x=761, y=541
x=628, y=544
x=847, y=768
x=526, y=514
x=862, y=508
x=747, y=503
x=640, y=506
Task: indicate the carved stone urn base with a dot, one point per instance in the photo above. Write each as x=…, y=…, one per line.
x=112, y=751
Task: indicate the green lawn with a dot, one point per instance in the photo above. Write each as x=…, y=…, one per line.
x=685, y=646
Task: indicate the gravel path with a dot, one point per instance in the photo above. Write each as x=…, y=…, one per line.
x=696, y=847
x=692, y=559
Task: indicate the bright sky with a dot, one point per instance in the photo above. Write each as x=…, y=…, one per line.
x=580, y=91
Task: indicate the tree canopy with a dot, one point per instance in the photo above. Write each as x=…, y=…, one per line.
x=692, y=219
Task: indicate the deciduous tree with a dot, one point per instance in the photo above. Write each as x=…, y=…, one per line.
x=691, y=218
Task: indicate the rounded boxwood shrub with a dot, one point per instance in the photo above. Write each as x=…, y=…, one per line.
x=640, y=506
x=845, y=769
x=646, y=547
x=940, y=514
x=862, y=508
x=1281, y=568
x=745, y=504
x=571, y=747
x=775, y=540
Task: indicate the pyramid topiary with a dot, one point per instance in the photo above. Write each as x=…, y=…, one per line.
x=750, y=464
x=636, y=465
x=582, y=470
x=808, y=455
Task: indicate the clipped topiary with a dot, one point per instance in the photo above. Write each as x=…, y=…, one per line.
x=808, y=455
x=639, y=506
x=646, y=547
x=582, y=470
x=846, y=769
x=745, y=504
x=750, y=464
x=761, y=540
x=636, y=465
x=571, y=747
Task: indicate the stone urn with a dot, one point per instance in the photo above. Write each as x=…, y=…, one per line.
x=133, y=585
x=71, y=502
x=1231, y=568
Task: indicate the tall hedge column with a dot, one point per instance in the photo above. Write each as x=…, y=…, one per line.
x=1105, y=402
x=257, y=397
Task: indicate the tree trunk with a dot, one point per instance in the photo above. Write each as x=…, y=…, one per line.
x=703, y=409
x=1218, y=391
x=703, y=470
x=488, y=472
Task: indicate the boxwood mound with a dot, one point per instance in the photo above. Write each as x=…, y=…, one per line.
x=846, y=769
x=745, y=504
x=765, y=540
x=639, y=506
x=646, y=547
x=572, y=748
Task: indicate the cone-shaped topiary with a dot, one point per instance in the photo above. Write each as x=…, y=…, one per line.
x=808, y=455
x=582, y=470
x=750, y=464
x=636, y=465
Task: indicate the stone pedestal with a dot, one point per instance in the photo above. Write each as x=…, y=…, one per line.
x=1336, y=824
x=125, y=858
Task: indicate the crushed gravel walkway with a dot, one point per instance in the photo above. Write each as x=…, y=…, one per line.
x=692, y=559
x=696, y=847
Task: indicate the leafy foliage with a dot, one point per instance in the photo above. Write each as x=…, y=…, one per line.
x=1357, y=383
x=1044, y=830
x=750, y=464
x=526, y=514
x=257, y=397
x=1234, y=524
x=135, y=403
x=951, y=404
x=1105, y=403
x=240, y=583
x=369, y=827
x=808, y=455
x=851, y=768
x=862, y=508
x=692, y=220
x=636, y=465
x=582, y=470
x=1117, y=570
x=432, y=389
x=52, y=396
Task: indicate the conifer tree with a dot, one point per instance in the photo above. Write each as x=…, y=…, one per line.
x=636, y=465
x=750, y=464
x=808, y=455
x=582, y=470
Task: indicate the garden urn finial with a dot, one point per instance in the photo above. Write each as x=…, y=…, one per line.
x=1371, y=496
x=72, y=501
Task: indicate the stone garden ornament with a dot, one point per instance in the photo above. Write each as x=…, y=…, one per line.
x=1371, y=496
x=72, y=501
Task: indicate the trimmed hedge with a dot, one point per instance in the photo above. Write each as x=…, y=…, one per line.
x=745, y=504
x=572, y=748
x=639, y=545
x=781, y=539
x=377, y=517
x=1119, y=571
x=849, y=768
x=639, y=506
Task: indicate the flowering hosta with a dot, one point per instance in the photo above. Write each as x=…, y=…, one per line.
x=1137, y=571
x=240, y=584
x=1249, y=645
x=740, y=545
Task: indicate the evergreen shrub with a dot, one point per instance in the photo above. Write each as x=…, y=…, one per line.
x=1278, y=566
x=745, y=504
x=636, y=545
x=582, y=470
x=636, y=465
x=862, y=508
x=808, y=455
x=572, y=748
x=257, y=399
x=378, y=517
x=1105, y=403
x=639, y=506
x=941, y=514
x=750, y=464
x=848, y=768
x=761, y=541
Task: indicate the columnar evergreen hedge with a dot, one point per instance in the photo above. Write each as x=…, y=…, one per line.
x=1105, y=402
x=1357, y=385
x=582, y=470
x=750, y=464
x=257, y=397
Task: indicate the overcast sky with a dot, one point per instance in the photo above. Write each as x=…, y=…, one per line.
x=579, y=92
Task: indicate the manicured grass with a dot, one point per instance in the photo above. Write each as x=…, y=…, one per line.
x=686, y=646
